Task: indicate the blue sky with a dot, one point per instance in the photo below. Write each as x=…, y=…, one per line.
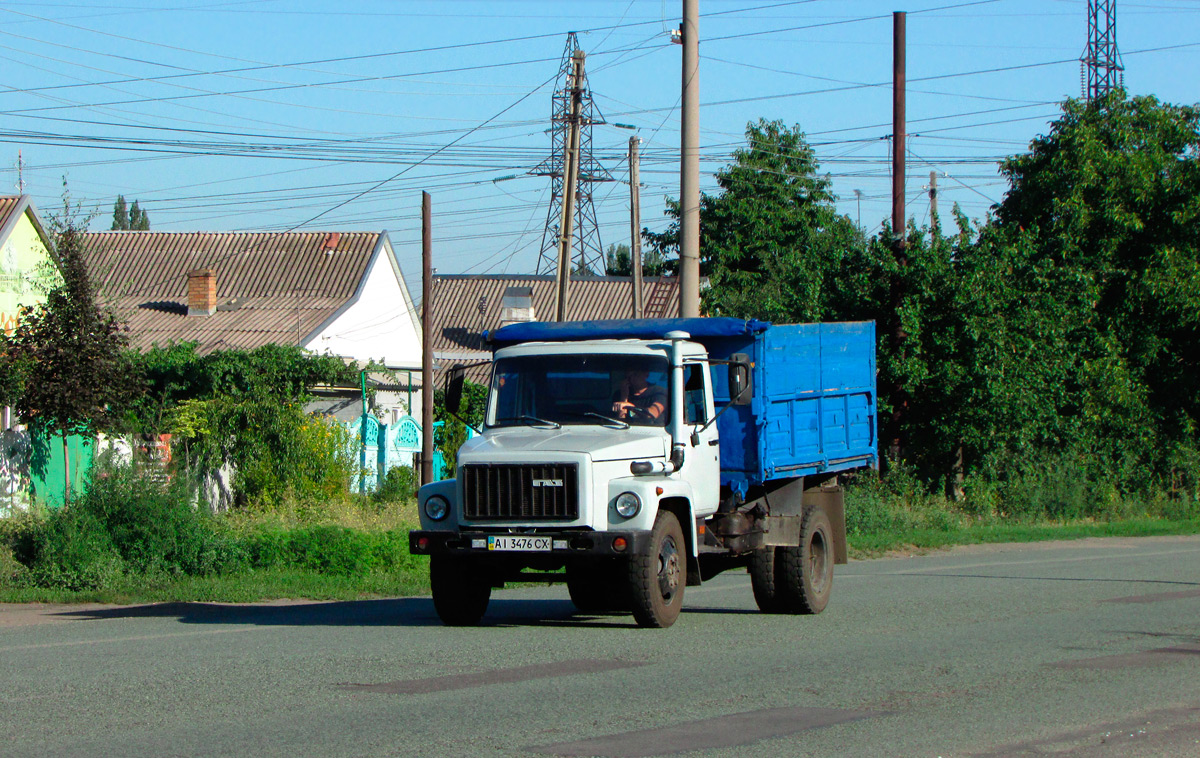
x=274, y=114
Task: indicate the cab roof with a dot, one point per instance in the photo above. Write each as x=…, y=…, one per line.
x=645, y=329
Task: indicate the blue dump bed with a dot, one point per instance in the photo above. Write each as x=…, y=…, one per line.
x=813, y=406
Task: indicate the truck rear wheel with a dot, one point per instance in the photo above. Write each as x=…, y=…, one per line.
x=598, y=587
x=804, y=574
x=460, y=591
x=763, y=573
x=657, y=577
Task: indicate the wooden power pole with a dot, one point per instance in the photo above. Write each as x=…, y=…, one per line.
x=566, y=227
x=635, y=227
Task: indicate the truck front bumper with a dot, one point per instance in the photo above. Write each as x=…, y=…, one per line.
x=563, y=543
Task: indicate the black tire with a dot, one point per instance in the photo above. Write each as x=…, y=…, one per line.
x=460, y=590
x=763, y=572
x=598, y=586
x=658, y=576
x=804, y=574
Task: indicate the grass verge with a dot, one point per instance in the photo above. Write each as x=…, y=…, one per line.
x=874, y=545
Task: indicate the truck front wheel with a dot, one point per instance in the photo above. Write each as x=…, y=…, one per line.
x=657, y=576
x=804, y=575
x=460, y=592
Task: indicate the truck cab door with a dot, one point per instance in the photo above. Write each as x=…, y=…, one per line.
x=702, y=460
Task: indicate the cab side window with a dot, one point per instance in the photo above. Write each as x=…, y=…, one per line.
x=693, y=394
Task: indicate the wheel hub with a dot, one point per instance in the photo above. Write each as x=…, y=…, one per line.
x=668, y=568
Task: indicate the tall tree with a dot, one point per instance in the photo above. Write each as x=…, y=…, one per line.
x=772, y=234
x=1112, y=196
x=131, y=218
x=78, y=376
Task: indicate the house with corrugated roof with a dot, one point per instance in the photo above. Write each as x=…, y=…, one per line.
x=338, y=293
x=465, y=306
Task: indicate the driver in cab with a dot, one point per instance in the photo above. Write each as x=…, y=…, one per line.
x=636, y=398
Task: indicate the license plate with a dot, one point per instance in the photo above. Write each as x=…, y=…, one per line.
x=513, y=543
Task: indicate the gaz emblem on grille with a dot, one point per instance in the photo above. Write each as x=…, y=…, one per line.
x=547, y=482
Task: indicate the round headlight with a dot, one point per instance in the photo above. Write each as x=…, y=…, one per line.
x=437, y=507
x=628, y=504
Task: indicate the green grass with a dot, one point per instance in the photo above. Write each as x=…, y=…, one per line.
x=245, y=587
x=871, y=545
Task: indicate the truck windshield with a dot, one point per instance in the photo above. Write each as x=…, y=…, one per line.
x=598, y=389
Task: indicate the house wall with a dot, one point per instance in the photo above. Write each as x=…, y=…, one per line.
x=380, y=324
x=25, y=271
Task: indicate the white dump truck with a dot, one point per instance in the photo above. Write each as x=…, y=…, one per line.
x=633, y=458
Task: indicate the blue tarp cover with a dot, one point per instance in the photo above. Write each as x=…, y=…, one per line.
x=649, y=328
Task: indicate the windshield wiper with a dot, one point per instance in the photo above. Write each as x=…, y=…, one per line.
x=620, y=424
x=532, y=419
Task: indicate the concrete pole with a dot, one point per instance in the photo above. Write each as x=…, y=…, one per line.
x=689, y=165
x=635, y=227
x=566, y=226
x=426, y=338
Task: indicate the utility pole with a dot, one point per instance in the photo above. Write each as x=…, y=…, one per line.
x=571, y=182
x=689, y=165
x=899, y=226
x=426, y=338
x=635, y=227
x=858, y=199
x=933, y=213
x=20, y=174
x=898, y=129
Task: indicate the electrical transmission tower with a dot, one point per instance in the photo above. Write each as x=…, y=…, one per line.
x=589, y=254
x=1105, y=71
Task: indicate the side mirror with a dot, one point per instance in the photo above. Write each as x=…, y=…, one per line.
x=741, y=387
x=454, y=388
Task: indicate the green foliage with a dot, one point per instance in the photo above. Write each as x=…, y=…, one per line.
x=133, y=529
x=449, y=437
x=617, y=261
x=330, y=549
x=129, y=219
x=176, y=375
x=277, y=449
x=771, y=238
x=69, y=353
x=1064, y=328
x=124, y=523
x=398, y=484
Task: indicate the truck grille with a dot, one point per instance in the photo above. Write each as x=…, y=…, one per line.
x=518, y=491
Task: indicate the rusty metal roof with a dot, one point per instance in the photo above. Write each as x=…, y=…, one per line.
x=271, y=287
x=464, y=306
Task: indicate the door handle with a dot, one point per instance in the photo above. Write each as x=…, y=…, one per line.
x=714, y=443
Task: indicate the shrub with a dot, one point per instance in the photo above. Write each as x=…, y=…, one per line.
x=127, y=521
x=397, y=484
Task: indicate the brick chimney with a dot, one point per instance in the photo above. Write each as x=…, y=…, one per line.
x=202, y=292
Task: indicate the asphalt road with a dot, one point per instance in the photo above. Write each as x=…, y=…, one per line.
x=1087, y=648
